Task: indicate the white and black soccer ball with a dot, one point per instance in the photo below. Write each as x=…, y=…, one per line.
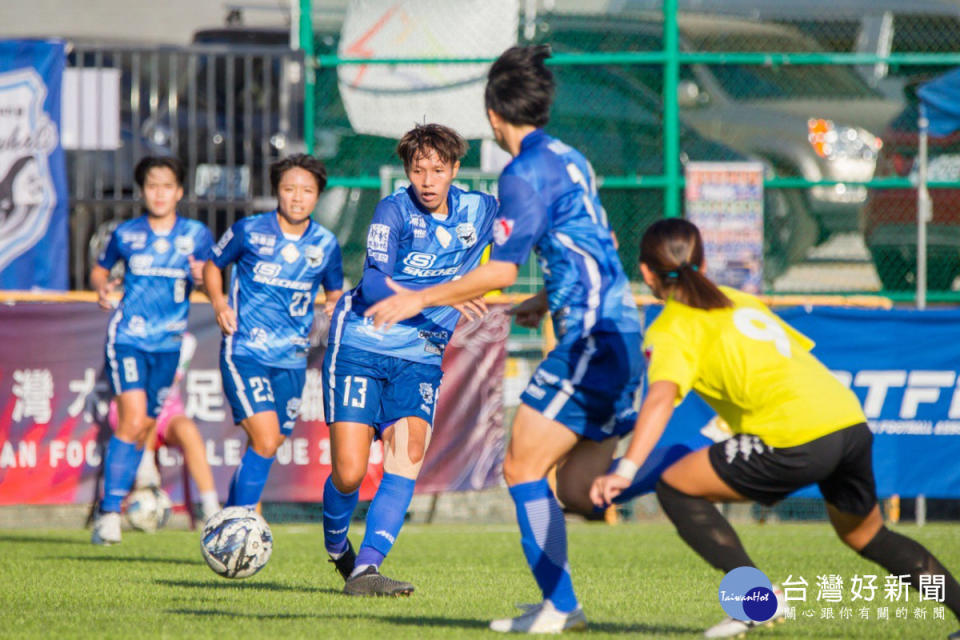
x=148, y=509
x=236, y=542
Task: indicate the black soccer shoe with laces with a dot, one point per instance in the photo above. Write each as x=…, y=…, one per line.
x=346, y=562
x=371, y=583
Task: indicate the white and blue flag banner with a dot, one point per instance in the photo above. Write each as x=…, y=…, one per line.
x=904, y=366
x=33, y=181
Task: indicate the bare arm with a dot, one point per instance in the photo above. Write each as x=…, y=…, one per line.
x=213, y=279
x=407, y=303
x=653, y=418
x=103, y=285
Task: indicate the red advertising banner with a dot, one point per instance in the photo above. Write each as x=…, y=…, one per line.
x=54, y=407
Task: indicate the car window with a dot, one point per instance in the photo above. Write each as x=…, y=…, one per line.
x=747, y=82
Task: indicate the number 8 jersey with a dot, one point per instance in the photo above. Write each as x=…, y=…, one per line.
x=274, y=285
x=755, y=370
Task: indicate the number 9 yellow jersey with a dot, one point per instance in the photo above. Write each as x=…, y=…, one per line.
x=755, y=370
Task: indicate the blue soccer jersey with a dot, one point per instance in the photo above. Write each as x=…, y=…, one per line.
x=156, y=284
x=416, y=250
x=274, y=285
x=549, y=202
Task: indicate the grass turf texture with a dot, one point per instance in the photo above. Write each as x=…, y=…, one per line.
x=636, y=580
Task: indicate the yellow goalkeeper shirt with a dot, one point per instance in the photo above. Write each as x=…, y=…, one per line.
x=755, y=370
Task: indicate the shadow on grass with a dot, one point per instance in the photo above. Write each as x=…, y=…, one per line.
x=262, y=616
x=222, y=583
x=41, y=540
x=127, y=559
x=603, y=627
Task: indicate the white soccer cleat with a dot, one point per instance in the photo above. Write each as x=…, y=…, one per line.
x=106, y=529
x=731, y=627
x=542, y=618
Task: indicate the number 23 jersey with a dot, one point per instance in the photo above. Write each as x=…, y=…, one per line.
x=752, y=368
x=274, y=285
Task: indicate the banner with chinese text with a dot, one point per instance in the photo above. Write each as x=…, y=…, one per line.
x=54, y=408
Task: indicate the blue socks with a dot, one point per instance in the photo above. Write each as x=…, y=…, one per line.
x=386, y=515
x=337, y=510
x=248, y=480
x=119, y=471
x=543, y=534
x=645, y=481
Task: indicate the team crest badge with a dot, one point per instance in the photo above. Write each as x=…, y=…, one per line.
x=467, y=234
x=184, y=245
x=161, y=245
x=426, y=392
x=293, y=408
x=290, y=253
x=314, y=255
x=27, y=194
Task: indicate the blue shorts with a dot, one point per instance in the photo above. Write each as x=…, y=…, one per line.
x=377, y=390
x=589, y=385
x=129, y=368
x=252, y=388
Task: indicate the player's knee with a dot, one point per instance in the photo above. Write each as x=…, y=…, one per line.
x=574, y=496
x=348, y=474
x=266, y=445
x=134, y=429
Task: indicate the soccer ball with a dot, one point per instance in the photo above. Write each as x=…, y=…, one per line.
x=236, y=542
x=148, y=509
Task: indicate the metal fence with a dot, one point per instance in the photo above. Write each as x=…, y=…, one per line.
x=225, y=111
x=826, y=104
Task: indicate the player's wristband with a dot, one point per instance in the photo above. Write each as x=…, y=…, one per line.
x=626, y=468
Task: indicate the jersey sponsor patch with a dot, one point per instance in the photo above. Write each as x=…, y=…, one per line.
x=268, y=269
x=314, y=255
x=290, y=253
x=426, y=392
x=419, y=260
x=293, y=408
x=378, y=237
x=379, y=256
x=136, y=239
x=184, y=245
x=224, y=241
x=262, y=239
x=502, y=228
x=467, y=233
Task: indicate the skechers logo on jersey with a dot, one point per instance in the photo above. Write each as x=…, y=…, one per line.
x=266, y=273
x=418, y=264
x=142, y=267
x=386, y=534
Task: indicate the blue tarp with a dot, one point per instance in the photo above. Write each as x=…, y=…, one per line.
x=941, y=99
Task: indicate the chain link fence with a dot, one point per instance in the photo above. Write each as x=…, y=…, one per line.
x=837, y=134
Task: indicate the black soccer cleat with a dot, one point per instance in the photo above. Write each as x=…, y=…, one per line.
x=954, y=636
x=346, y=562
x=371, y=583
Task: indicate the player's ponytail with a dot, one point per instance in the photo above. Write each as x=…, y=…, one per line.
x=673, y=250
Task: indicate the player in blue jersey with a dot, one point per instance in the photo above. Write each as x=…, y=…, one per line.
x=281, y=259
x=581, y=398
x=385, y=383
x=163, y=257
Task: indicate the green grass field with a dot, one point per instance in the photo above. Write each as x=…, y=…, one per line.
x=634, y=580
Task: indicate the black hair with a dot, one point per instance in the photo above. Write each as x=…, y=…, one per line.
x=298, y=161
x=520, y=87
x=447, y=143
x=673, y=249
x=158, y=162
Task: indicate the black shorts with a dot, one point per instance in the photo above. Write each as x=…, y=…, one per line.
x=840, y=463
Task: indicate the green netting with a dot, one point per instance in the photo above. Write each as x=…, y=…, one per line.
x=833, y=137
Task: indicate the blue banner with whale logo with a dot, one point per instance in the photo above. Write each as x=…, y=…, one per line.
x=33, y=181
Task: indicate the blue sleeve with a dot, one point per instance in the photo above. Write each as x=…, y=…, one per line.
x=522, y=220
x=229, y=247
x=333, y=273
x=111, y=253
x=485, y=233
x=204, y=243
x=383, y=238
